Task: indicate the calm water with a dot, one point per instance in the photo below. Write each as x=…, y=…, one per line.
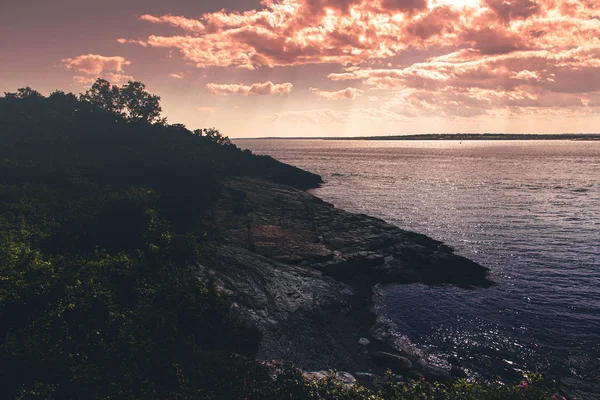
x=530, y=211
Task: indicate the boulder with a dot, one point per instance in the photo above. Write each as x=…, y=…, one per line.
x=345, y=378
x=315, y=375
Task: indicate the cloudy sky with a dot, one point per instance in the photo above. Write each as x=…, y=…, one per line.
x=323, y=67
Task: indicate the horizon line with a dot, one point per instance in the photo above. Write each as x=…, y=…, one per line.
x=438, y=136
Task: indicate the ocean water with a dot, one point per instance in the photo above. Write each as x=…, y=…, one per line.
x=529, y=211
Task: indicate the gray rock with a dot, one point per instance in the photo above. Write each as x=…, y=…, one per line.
x=364, y=341
x=345, y=377
x=391, y=359
x=315, y=375
x=335, y=243
x=342, y=377
x=288, y=260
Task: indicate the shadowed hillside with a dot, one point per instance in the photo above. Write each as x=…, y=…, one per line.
x=101, y=213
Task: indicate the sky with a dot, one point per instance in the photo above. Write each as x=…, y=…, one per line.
x=322, y=67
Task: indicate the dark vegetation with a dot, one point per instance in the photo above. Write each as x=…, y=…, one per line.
x=101, y=210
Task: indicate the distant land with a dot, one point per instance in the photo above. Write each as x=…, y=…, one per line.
x=457, y=136
x=483, y=136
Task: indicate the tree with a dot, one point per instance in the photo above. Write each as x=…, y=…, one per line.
x=25, y=93
x=104, y=95
x=130, y=101
x=214, y=135
x=60, y=99
x=137, y=104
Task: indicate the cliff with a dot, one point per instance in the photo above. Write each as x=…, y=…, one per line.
x=302, y=271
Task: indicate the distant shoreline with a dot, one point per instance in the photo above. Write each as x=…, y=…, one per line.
x=451, y=136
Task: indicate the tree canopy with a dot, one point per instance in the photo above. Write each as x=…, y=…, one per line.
x=130, y=101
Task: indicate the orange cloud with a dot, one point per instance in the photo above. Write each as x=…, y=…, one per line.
x=266, y=88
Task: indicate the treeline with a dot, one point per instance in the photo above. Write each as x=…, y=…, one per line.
x=101, y=230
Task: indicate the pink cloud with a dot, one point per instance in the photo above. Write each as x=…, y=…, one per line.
x=92, y=66
x=404, y=5
x=513, y=9
x=477, y=102
x=496, y=54
x=207, y=51
x=129, y=41
x=466, y=69
x=180, y=22
x=439, y=20
x=465, y=84
x=492, y=41
x=296, y=32
x=346, y=94
x=266, y=88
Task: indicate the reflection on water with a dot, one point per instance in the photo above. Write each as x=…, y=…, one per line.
x=530, y=211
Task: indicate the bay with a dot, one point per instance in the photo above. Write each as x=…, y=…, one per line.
x=528, y=210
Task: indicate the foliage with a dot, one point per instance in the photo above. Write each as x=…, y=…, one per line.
x=390, y=388
x=24, y=94
x=104, y=96
x=137, y=104
x=213, y=134
x=131, y=101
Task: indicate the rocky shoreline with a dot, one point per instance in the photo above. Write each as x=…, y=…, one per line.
x=304, y=272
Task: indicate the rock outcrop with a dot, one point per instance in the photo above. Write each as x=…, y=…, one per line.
x=302, y=271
